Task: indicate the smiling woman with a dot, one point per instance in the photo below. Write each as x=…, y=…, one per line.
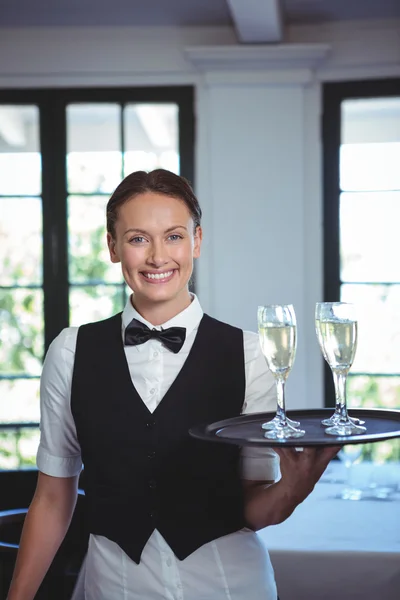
x=165, y=513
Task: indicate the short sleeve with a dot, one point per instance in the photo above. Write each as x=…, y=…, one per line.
x=258, y=464
x=59, y=453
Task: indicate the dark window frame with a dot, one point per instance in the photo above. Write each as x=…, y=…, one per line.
x=52, y=105
x=332, y=97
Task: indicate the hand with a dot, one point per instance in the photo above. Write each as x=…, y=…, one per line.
x=301, y=470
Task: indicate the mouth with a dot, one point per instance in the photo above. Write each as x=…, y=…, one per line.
x=156, y=277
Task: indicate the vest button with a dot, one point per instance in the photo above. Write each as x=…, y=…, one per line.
x=153, y=514
x=151, y=454
x=150, y=424
x=152, y=484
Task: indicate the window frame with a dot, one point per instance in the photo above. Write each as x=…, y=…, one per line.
x=333, y=94
x=52, y=104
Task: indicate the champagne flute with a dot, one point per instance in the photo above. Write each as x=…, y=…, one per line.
x=260, y=316
x=320, y=309
x=277, y=331
x=336, y=328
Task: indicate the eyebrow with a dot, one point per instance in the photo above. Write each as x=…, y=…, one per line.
x=143, y=231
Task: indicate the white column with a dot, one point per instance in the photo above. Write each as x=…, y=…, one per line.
x=259, y=186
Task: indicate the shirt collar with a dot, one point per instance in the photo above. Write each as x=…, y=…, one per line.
x=188, y=318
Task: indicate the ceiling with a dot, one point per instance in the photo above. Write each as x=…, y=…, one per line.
x=254, y=20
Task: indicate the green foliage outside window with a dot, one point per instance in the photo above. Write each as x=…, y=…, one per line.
x=21, y=317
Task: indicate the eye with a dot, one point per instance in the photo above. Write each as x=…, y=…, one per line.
x=175, y=237
x=138, y=239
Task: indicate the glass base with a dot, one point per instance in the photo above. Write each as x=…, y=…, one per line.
x=284, y=432
x=274, y=422
x=383, y=493
x=334, y=419
x=349, y=493
x=346, y=428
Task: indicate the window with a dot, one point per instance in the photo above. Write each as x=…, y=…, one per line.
x=62, y=153
x=362, y=246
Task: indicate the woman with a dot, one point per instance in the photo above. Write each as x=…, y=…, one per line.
x=169, y=517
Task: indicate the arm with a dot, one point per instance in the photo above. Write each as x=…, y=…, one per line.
x=44, y=529
x=270, y=505
x=59, y=463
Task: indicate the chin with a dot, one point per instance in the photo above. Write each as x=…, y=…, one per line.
x=158, y=296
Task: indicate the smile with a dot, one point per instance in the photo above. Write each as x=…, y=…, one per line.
x=158, y=277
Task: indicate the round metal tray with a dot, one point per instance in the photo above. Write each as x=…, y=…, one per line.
x=246, y=430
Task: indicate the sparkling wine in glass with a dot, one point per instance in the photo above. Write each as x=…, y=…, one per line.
x=277, y=331
x=336, y=328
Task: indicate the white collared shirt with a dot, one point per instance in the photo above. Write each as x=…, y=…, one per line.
x=211, y=572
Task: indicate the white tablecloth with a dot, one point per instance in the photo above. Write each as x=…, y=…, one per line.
x=333, y=549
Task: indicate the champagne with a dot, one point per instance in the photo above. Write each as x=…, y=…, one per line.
x=338, y=342
x=278, y=344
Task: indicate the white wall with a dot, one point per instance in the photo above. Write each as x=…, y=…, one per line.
x=258, y=152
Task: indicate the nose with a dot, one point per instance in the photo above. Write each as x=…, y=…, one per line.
x=158, y=255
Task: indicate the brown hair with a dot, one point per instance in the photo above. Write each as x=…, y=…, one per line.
x=159, y=181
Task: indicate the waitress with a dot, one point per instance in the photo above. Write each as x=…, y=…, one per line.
x=170, y=517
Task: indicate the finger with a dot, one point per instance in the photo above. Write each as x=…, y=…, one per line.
x=310, y=451
x=331, y=451
x=286, y=453
x=321, y=451
x=326, y=456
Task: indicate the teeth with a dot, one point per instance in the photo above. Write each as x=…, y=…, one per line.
x=158, y=275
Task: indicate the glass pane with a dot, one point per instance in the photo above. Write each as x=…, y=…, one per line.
x=370, y=134
x=376, y=392
x=151, y=137
x=387, y=451
x=370, y=167
x=93, y=303
x=373, y=392
x=370, y=120
x=369, y=240
x=89, y=259
x=20, y=161
x=18, y=448
x=21, y=241
x=21, y=326
x=19, y=400
x=94, y=159
x=378, y=349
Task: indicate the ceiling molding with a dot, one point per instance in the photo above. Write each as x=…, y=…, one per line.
x=239, y=58
x=257, y=21
x=276, y=77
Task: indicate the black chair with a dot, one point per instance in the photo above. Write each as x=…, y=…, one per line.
x=17, y=487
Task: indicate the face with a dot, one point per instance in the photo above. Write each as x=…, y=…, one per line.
x=156, y=244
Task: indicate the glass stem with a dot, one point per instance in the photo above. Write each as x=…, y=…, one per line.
x=341, y=403
x=337, y=396
x=280, y=392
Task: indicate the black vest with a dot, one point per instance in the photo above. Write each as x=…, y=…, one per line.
x=143, y=471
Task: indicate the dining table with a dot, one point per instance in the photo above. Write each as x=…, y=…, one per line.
x=332, y=548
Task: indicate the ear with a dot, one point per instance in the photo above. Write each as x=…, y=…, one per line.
x=112, y=247
x=198, y=238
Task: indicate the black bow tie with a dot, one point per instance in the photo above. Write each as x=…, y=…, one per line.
x=172, y=338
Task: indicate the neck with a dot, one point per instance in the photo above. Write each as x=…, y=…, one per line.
x=160, y=313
